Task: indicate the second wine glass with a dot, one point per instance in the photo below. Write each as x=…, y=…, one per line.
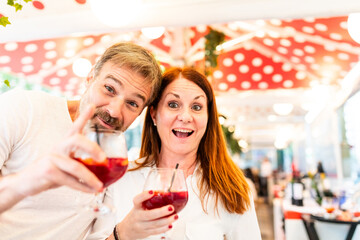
x=169, y=187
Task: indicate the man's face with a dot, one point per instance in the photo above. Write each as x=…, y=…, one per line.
x=119, y=96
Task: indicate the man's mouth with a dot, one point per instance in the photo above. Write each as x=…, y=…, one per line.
x=182, y=133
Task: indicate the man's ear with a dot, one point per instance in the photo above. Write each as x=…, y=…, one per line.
x=90, y=76
x=153, y=114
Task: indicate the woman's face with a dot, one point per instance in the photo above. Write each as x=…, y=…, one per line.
x=181, y=117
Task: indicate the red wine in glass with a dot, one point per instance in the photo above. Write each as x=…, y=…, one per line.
x=108, y=171
x=161, y=198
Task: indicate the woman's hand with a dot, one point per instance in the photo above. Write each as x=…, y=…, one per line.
x=141, y=223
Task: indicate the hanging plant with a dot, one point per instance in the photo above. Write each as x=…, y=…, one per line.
x=213, y=39
x=17, y=4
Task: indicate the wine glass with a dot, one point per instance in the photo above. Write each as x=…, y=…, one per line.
x=113, y=143
x=169, y=187
x=330, y=205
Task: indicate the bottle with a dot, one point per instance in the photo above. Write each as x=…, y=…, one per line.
x=296, y=189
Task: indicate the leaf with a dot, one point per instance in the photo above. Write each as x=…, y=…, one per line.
x=27, y=1
x=10, y=2
x=4, y=21
x=7, y=83
x=17, y=7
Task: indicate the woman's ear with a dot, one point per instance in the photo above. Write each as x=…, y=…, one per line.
x=153, y=114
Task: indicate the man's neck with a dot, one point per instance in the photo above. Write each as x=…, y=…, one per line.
x=73, y=107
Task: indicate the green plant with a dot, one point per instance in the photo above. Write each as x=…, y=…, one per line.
x=18, y=5
x=213, y=39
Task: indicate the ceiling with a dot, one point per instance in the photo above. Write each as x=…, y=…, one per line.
x=278, y=59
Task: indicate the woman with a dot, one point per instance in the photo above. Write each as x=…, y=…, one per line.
x=181, y=126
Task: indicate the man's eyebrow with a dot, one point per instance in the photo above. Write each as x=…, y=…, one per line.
x=117, y=81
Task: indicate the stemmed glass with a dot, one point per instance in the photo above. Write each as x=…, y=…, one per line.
x=330, y=205
x=169, y=187
x=113, y=143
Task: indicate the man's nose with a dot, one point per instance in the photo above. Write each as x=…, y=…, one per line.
x=115, y=107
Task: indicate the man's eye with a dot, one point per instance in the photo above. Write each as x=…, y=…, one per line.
x=110, y=89
x=133, y=104
x=173, y=105
x=197, y=107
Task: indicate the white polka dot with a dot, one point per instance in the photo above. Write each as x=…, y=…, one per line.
x=328, y=59
x=100, y=50
x=223, y=86
x=49, y=45
x=260, y=34
x=290, y=30
x=74, y=80
x=42, y=72
x=301, y=67
x=263, y=85
x=191, y=33
x=295, y=59
x=344, y=25
x=201, y=28
x=218, y=74
x=307, y=29
x=256, y=62
x=268, y=69
x=6, y=69
x=27, y=68
x=346, y=47
x=69, y=53
x=4, y=59
x=321, y=27
x=69, y=87
x=309, y=59
x=298, y=52
x=46, y=65
x=276, y=59
x=239, y=57
x=244, y=68
x=285, y=42
x=288, y=84
x=315, y=66
x=330, y=47
x=300, y=75
x=61, y=62
x=277, y=78
x=30, y=48
x=274, y=34
x=335, y=36
x=247, y=46
x=62, y=73
x=343, y=56
x=275, y=22
x=228, y=62
x=282, y=50
x=245, y=85
x=231, y=77
x=268, y=42
x=256, y=77
x=286, y=67
x=309, y=49
x=105, y=39
x=50, y=54
x=71, y=43
x=54, y=81
x=299, y=39
x=12, y=46
x=27, y=60
x=166, y=41
x=88, y=41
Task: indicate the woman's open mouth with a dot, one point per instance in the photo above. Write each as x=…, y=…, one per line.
x=182, y=133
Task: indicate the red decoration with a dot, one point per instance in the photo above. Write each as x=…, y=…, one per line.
x=39, y=5
x=80, y=1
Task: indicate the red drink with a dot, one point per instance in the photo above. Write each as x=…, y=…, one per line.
x=108, y=171
x=160, y=199
x=329, y=209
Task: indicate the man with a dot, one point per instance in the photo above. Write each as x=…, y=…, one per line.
x=38, y=139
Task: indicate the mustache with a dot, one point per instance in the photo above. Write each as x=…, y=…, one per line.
x=105, y=116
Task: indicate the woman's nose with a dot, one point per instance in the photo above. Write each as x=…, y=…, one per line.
x=185, y=116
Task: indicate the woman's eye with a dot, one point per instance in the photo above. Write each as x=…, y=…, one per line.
x=110, y=89
x=173, y=105
x=197, y=107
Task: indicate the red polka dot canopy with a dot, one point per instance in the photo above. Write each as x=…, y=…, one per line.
x=263, y=54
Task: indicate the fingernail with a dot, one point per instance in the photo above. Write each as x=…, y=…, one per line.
x=176, y=217
x=170, y=209
x=170, y=226
x=151, y=192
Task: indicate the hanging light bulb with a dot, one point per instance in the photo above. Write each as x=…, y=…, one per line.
x=354, y=26
x=153, y=32
x=116, y=13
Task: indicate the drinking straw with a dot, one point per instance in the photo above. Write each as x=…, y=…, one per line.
x=173, y=176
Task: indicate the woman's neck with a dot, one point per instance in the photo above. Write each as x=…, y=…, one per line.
x=187, y=162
